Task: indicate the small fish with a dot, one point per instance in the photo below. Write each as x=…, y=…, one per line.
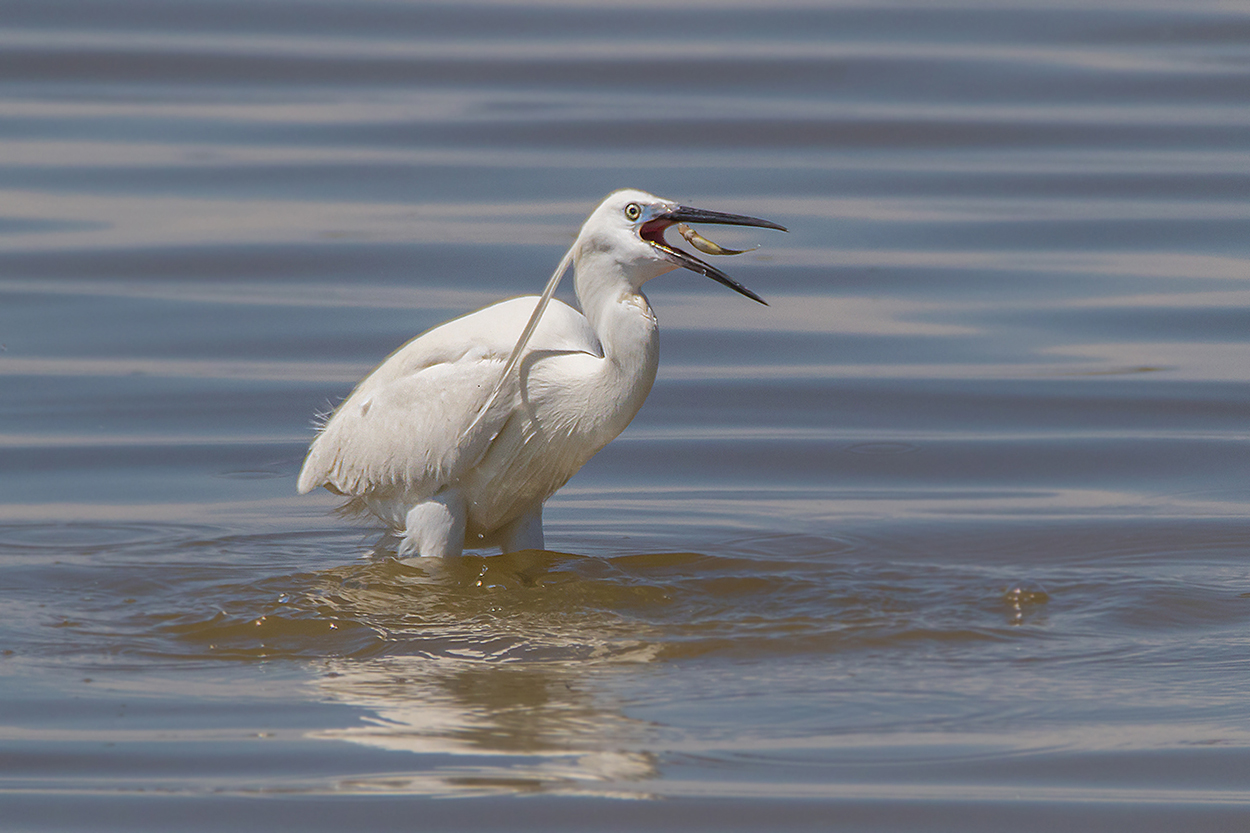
x=707, y=246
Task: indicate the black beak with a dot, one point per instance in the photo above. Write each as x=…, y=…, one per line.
x=653, y=232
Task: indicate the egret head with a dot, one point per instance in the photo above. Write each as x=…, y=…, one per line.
x=628, y=227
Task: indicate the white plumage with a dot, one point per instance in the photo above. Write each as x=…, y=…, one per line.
x=442, y=448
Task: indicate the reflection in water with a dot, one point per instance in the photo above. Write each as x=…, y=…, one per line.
x=536, y=727
x=494, y=662
x=530, y=605
x=640, y=675
x=510, y=672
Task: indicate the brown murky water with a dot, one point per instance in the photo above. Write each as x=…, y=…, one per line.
x=952, y=536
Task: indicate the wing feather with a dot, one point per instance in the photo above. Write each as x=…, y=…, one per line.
x=400, y=429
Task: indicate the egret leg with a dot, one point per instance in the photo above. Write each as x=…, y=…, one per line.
x=525, y=533
x=435, y=526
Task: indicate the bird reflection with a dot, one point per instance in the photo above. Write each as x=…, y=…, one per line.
x=486, y=676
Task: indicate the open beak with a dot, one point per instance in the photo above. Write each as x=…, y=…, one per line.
x=653, y=232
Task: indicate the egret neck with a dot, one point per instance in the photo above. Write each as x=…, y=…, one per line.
x=627, y=330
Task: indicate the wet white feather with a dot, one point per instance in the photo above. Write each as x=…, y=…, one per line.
x=399, y=430
x=438, y=442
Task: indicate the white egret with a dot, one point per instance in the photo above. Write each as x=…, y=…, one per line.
x=458, y=438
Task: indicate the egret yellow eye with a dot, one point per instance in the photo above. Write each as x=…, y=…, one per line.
x=633, y=211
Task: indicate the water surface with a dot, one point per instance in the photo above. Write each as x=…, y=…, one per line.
x=952, y=535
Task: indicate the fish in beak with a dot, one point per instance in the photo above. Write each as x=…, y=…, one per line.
x=653, y=232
